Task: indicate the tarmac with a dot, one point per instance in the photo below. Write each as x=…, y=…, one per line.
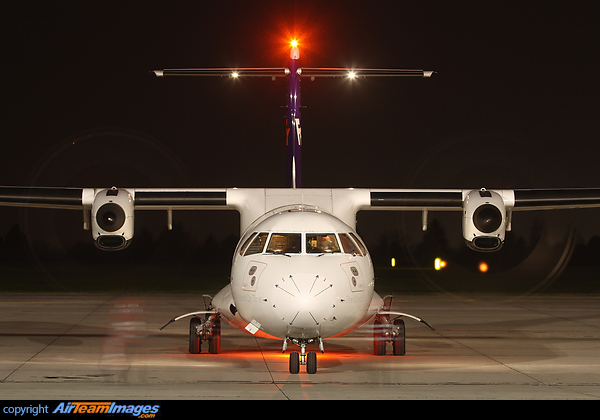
x=103, y=346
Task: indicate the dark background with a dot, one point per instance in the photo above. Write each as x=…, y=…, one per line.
x=514, y=104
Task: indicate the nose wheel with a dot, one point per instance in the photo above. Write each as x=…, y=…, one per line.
x=303, y=358
x=209, y=330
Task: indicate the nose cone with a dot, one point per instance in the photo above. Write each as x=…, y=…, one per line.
x=304, y=301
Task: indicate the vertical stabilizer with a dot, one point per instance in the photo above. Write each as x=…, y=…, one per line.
x=293, y=130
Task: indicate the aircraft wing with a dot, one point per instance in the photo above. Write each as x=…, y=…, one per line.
x=548, y=199
x=141, y=198
x=514, y=200
x=109, y=212
x=412, y=199
x=486, y=214
x=44, y=197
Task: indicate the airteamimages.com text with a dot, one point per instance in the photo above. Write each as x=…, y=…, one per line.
x=89, y=407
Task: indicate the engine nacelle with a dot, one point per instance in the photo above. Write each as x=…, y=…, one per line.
x=112, y=219
x=484, y=220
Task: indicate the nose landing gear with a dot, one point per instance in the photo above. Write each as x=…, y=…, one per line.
x=303, y=358
x=210, y=331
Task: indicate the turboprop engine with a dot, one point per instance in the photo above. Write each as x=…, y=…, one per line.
x=484, y=220
x=112, y=219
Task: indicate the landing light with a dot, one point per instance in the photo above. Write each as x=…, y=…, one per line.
x=234, y=74
x=351, y=75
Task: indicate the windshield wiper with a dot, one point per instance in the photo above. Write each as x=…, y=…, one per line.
x=279, y=253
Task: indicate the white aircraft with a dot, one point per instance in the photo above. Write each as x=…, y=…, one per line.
x=300, y=272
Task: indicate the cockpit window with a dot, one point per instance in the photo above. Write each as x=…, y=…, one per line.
x=318, y=243
x=257, y=245
x=359, y=243
x=348, y=244
x=246, y=243
x=284, y=243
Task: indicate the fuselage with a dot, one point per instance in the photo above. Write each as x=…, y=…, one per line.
x=299, y=273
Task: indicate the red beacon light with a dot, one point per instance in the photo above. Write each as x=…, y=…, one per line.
x=295, y=52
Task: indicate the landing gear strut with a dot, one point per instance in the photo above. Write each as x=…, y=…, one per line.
x=303, y=358
x=209, y=330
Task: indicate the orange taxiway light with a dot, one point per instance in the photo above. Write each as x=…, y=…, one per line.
x=483, y=267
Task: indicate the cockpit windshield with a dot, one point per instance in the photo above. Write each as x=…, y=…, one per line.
x=257, y=245
x=318, y=243
x=348, y=244
x=291, y=243
x=284, y=243
x=360, y=244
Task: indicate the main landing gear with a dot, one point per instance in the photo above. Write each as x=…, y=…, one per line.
x=303, y=358
x=207, y=330
x=385, y=331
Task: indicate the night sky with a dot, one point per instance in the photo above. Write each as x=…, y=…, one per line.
x=514, y=102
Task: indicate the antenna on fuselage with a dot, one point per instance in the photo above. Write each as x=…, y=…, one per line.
x=294, y=73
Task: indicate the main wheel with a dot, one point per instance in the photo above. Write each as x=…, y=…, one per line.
x=195, y=341
x=379, y=338
x=294, y=362
x=214, y=341
x=311, y=362
x=399, y=341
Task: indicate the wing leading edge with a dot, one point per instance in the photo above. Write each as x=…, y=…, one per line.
x=212, y=198
x=391, y=199
x=515, y=200
x=59, y=198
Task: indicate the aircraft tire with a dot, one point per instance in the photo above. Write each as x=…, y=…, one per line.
x=214, y=341
x=195, y=340
x=379, y=339
x=311, y=362
x=399, y=342
x=294, y=362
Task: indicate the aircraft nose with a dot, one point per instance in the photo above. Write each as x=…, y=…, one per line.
x=304, y=301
